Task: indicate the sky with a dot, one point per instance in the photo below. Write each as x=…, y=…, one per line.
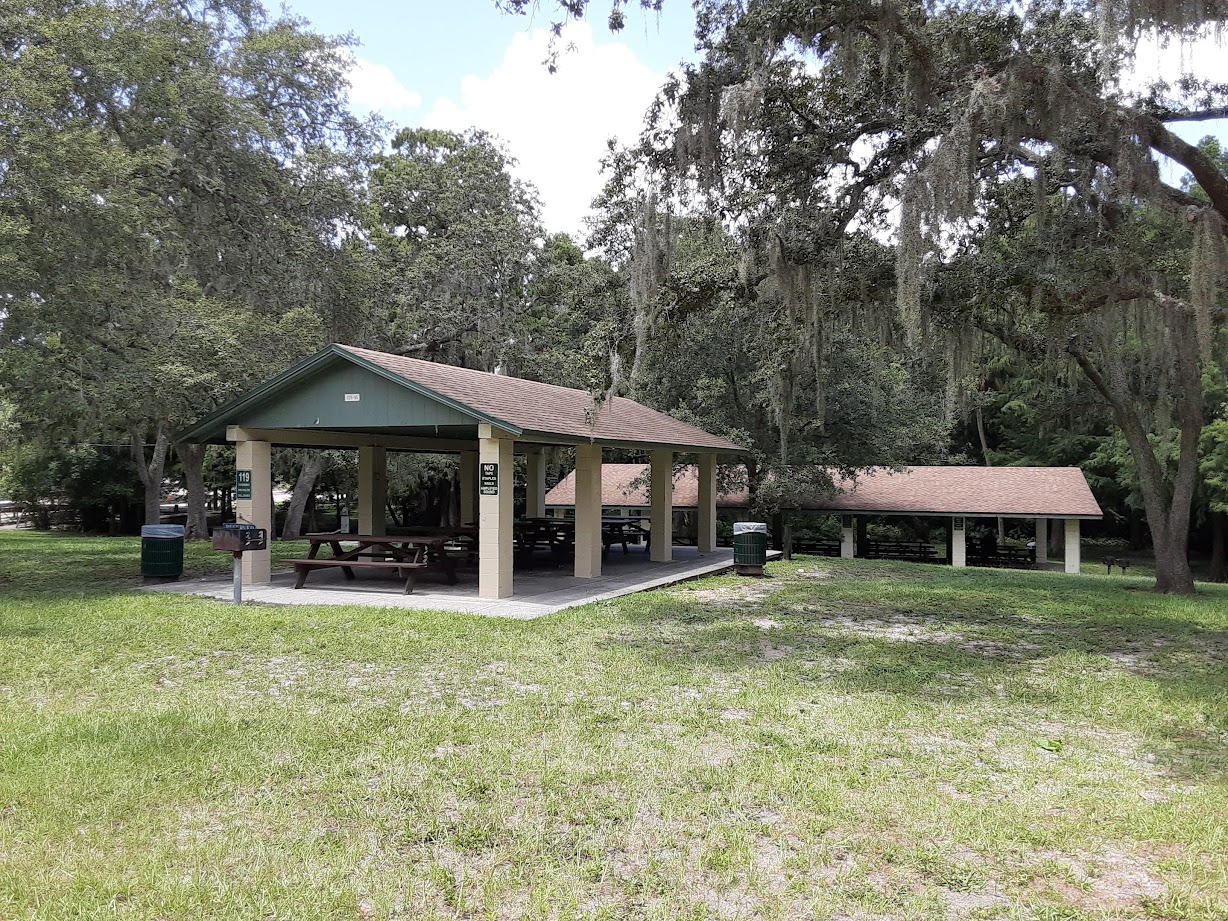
x=456, y=64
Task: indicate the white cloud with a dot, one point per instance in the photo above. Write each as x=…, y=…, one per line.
x=556, y=125
x=377, y=89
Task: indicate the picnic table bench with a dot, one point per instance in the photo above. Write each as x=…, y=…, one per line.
x=917, y=551
x=559, y=534
x=816, y=547
x=623, y=531
x=405, y=555
x=555, y=535
x=1003, y=557
x=460, y=538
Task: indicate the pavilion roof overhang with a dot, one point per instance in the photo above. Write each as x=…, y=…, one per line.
x=422, y=405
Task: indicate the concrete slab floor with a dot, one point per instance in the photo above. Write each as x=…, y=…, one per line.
x=543, y=589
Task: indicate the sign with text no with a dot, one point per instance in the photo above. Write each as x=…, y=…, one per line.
x=488, y=480
x=243, y=484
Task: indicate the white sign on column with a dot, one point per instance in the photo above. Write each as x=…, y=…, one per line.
x=495, y=463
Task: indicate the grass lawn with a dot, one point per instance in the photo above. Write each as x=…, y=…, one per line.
x=843, y=740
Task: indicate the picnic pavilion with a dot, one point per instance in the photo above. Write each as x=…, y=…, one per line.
x=346, y=397
x=1058, y=495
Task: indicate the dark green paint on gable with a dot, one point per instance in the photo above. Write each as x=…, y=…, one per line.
x=320, y=402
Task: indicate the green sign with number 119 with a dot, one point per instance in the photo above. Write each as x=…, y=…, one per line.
x=243, y=484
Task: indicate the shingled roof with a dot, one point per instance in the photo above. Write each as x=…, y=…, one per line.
x=1011, y=492
x=627, y=485
x=535, y=410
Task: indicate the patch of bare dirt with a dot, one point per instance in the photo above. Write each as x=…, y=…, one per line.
x=963, y=904
x=732, y=596
x=1112, y=880
x=773, y=652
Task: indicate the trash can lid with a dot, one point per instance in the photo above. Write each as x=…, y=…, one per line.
x=161, y=530
x=749, y=527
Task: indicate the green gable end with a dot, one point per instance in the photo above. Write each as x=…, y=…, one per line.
x=346, y=396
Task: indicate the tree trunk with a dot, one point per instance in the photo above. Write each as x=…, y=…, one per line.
x=1168, y=514
x=313, y=523
x=313, y=463
x=150, y=470
x=193, y=459
x=1219, y=547
x=980, y=431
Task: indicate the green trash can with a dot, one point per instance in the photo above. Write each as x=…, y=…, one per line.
x=161, y=552
x=750, y=540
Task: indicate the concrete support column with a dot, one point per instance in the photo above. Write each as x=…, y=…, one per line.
x=496, y=460
x=252, y=457
x=959, y=557
x=1072, y=545
x=848, y=538
x=468, y=477
x=588, y=511
x=706, y=525
x=1042, y=541
x=372, y=490
x=661, y=513
x=535, y=483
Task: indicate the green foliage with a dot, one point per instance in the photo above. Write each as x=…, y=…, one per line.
x=455, y=237
x=1214, y=465
x=82, y=484
x=172, y=198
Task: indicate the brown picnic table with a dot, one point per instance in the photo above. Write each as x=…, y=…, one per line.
x=405, y=554
x=560, y=533
x=918, y=551
x=1004, y=556
x=462, y=537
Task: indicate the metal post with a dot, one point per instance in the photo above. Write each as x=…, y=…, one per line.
x=238, y=577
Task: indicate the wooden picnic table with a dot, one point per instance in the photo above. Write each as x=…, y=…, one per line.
x=560, y=533
x=623, y=530
x=405, y=554
x=462, y=537
x=916, y=550
x=816, y=547
x=1006, y=556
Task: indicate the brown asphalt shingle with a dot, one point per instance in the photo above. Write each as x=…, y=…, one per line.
x=546, y=408
x=1012, y=492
